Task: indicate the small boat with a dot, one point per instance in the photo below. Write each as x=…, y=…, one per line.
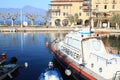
x=2, y=58
x=51, y=73
x=7, y=68
x=84, y=55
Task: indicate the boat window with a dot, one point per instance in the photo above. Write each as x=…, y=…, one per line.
x=86, y=45
x=96, y=45
x=66, y=40
x=76, y=43
x=92, y=45
x=70, y=41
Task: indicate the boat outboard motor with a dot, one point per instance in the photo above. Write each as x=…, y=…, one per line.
x=13, y=60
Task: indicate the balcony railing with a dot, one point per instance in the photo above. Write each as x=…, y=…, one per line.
x=106, y=2
x=55, y=10
x=86, y=10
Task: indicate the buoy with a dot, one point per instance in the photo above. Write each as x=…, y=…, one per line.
x=26, y=64
x=25, y=24
x=68, y=72
x=47, y=44
x=50, y=64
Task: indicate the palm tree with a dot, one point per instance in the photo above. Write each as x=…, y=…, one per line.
x=115, y=19
x=73, y=19
x=76, y=18
x=98, y=18
x=70, y=19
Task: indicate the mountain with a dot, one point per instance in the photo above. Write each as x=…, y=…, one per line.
x=25, y=9
x=30, y=9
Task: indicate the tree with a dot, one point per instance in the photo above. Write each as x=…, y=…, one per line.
x=115, y=19
x=76, y=18
x=70, y=19
x=100, y=16
x=32, y=17
x=13, y=16
x=47, y=17
x=3, y=16
x=73, y=18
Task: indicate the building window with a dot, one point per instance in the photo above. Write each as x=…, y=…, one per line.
x=97, y=7
x=80, y=14
x=105, y=0
x=65, y=7
x=113, y=1
x=57, y=13
x=105, y=7
x=87, y=14
x=58, y=7
x=80, y=7
x=113, y=6
x=97, y=1
x=65, y=14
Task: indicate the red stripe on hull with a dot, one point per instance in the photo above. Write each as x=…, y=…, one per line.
x=73, y=66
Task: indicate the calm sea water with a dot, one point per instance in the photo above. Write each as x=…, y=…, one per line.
x=27, y=48
x=30, y=47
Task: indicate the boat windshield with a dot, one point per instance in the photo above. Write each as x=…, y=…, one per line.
x=92, y=45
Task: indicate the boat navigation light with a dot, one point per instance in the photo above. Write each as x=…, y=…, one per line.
x=68, y=72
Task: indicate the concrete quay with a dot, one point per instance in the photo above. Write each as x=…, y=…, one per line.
x=34, y=29
x=38, y=29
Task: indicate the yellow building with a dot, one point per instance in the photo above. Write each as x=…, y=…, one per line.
x=61, y=9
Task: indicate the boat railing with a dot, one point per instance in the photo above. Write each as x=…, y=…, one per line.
x=117, y=75
x=108, y=61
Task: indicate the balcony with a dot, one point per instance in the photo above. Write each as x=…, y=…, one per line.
x=97, y=2
x=86, y=10
x=106, y=2
x=55, y=10
x=114, y=1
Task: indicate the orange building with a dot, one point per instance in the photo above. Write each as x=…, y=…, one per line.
x=61, y=9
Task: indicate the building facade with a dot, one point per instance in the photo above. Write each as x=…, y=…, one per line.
x=89, y=12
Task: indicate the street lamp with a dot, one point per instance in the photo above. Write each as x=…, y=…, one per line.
x=21, y=17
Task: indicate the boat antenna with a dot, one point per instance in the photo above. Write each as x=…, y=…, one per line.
x=90, y=10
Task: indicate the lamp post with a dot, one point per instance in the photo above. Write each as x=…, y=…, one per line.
x=90, y=9
x=21, y=17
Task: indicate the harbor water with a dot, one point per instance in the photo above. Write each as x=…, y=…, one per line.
x=30, y=48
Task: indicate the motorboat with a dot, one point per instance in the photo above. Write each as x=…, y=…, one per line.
x=7, y=68
x=84, y=55
x=2, y=58
x=51, y=73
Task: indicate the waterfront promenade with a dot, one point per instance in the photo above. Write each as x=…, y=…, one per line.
x=41, y=29
x=33, y=29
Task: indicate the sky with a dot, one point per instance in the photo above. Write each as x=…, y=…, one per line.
x=42, y=4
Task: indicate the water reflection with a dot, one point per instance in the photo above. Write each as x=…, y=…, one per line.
x=31, y=48
x=112, y=42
